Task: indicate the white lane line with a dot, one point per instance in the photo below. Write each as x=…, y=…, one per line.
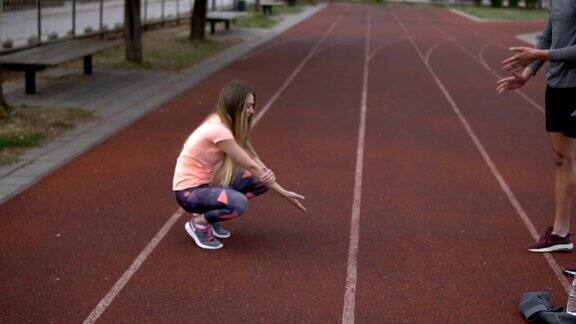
x=109, y=298
x=517, y=91
x=481, y=61
x=432, y=49
x=298, y=68
x=351, y=271
x=383, y=46
x=503, y=184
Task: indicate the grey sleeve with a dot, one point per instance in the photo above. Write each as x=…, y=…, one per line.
x=544, y=42
x=563, y=54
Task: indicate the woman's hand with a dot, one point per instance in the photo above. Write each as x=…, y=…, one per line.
x=524, y=56
x=294, y=198
x=268, y=177
x=514, y=82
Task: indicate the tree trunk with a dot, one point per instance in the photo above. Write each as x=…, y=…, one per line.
x=133, y=30
x=257, y=6
x=198, y=20
x=4, y=109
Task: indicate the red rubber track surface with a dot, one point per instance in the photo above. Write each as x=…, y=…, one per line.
x=439, y=239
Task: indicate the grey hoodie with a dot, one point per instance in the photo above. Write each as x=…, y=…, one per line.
x=559, y=36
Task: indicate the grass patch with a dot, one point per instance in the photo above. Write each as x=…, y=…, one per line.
x=21, y=140
x=256, y=20
x=28, y=127
x=287, y=10
x=505, y=13
x=259, y=20
x=164, y=49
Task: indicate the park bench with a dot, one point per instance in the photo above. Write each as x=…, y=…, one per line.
x=36, y=59
x=268, y=6
x=224, y=16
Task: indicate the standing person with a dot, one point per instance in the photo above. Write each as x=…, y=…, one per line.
x=558, y=46
x=218, y=170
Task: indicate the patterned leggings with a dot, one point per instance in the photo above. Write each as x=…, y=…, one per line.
x=219, y=203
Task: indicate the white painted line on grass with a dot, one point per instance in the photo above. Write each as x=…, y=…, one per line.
x=503, y=184
x=109, y=298
x=351, y=271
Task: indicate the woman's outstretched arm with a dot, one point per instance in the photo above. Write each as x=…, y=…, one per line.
x=240, y=156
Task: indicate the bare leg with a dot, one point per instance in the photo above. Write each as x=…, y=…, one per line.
x=199, y=219
x=565, y=188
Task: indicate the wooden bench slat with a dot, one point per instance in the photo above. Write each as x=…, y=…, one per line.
x=224, y=15
x=58, y=53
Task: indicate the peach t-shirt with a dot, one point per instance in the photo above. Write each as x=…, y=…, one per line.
x=200, y=157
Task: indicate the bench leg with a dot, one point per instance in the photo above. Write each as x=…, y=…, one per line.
x=227, y=24
x=88, y=64
x=30, y=76
x=212, y=27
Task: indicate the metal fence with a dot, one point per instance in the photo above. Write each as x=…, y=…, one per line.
x=27, y=22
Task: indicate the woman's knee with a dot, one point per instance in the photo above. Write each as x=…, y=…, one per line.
x=237, y=201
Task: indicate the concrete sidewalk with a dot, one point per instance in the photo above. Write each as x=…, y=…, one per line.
x=117, y=99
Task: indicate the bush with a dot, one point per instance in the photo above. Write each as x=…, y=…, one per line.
x=7, y=43
x=88, y=30
x=33, y=40
x=53, y=36
x=496, y=3
x=531, y=4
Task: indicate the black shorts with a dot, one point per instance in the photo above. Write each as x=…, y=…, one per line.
x=561, y=111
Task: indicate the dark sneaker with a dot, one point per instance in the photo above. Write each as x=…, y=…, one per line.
x=571, y=269
x=551, y=242
x=219, y=231
x=203, y=238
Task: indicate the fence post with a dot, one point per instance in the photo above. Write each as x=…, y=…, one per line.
x=73, y=18
x=101, y=19
x=163, y=5
x=39, y=10
x=177, y=12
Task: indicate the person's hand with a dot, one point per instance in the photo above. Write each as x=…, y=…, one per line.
x=268, y=177
x=294, y=198
x=514, y=82
x=524, y=56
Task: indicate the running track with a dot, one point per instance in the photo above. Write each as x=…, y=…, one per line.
x=422, y=185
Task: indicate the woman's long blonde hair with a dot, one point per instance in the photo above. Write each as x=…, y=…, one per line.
x=232, y=112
